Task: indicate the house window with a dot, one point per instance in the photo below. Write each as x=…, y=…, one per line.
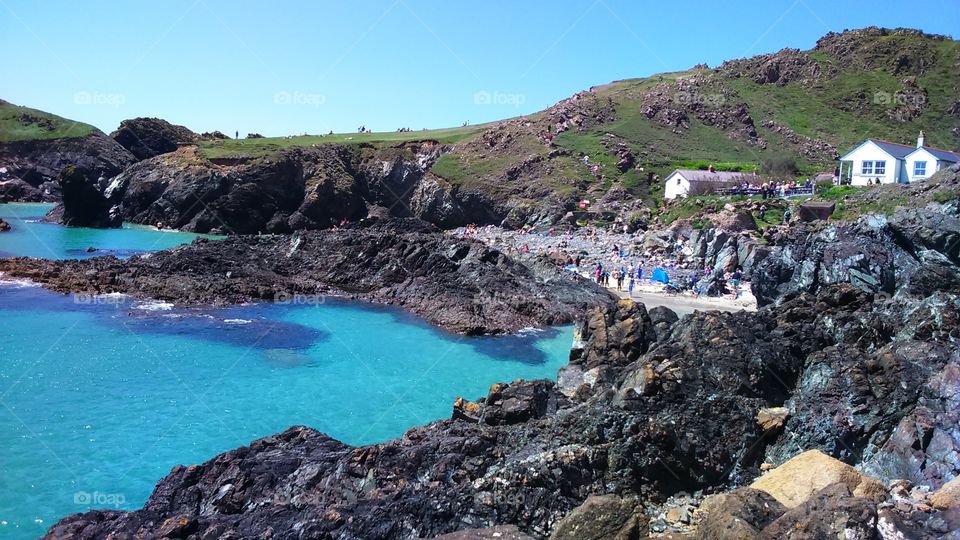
x=879, y=167
x=920, y=168
x=866, y=167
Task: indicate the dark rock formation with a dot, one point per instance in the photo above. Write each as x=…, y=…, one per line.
x=148, y=137
x=38, y=164
x=84, y=202
x=296, y=189
x=458, y=284
x=915, y=250
x=4, y=226
x=675, y=412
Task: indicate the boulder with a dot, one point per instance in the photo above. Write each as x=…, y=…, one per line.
x=603, y=517
x=4, y=226
x=738, y=515
x=831, y=512
x=772, y=418
x=518, y=402
x=794, y=482
x=948, y=496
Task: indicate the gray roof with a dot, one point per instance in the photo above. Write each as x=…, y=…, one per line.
x=943, y=155
x=723, y=177
x=896, y=150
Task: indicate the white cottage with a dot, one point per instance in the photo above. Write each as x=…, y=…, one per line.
x=885, y=162
x=685, y=182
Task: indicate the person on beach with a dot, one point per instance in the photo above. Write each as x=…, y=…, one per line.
x=630, y=286
x=735, y=282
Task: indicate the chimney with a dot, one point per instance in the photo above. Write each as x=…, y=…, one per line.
x=920, y=139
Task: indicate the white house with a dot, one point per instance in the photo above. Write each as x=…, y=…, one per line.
x=684, y=182
x=877, y=161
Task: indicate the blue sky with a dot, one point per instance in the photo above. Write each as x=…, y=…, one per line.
x=290, y=67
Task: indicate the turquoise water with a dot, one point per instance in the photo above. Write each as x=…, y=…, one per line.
x=100, y=399
x=49, y=241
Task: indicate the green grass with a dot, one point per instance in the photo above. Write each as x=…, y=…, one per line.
x=25, y=124
x=270, y=145
x=946, y=195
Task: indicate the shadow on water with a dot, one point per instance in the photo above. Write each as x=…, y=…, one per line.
x=520, y=347
x=257, y=326
x=244, y=326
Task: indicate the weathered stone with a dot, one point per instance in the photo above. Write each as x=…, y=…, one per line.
x=772, y=418
x=832, y=512
x=738, y=515
x=948, y=496
x=606, y=517
x=800, y=478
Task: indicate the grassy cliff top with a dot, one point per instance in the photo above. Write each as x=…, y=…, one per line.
x=19, y=124
x=263, y=146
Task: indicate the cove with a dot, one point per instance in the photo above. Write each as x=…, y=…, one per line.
x=100, y=397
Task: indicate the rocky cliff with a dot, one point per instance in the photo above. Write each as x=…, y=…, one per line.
x=31, y=168
x=295, y=189
x=149, y=137
x=650, y=408
x=460, y=285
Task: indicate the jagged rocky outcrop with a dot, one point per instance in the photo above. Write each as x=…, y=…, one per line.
x=650, y=406
x=4, y=226
x=458, y=284
x=148, y=137
x=85, y=204
x=915, y=251
x=33, y=167
x=296, y=189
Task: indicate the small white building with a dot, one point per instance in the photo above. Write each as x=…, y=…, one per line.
x=877, y=161
x=685, y=182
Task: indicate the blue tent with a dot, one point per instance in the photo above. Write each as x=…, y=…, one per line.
x=660, y=275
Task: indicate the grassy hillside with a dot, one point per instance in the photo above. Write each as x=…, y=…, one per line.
x=808, y=106
x=615, y=143
x=25, y=124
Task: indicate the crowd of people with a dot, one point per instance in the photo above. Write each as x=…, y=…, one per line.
x=613, y=259
x=772, y=189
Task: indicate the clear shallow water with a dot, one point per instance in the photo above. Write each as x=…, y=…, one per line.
x=29, y=238
x=100, y=399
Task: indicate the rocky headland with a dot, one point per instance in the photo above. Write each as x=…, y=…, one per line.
x=832, y=411
x=460, y=285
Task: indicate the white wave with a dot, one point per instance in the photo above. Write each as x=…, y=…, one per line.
x=154, y=306
x=15, y=283
x=237, y=321
x=529, y=330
